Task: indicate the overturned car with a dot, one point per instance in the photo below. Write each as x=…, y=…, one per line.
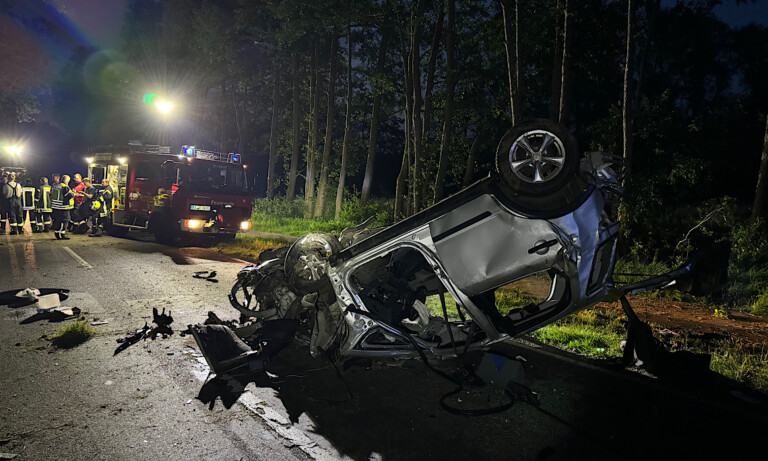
x=545, y=215
x=544, y=223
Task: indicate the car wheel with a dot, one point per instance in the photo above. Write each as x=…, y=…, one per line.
x=306, y=262
x=537, y=157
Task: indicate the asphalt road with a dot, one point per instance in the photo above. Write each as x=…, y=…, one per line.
x=84, y=404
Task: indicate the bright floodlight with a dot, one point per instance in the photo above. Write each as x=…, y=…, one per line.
x=165, y=107
x=15, y=150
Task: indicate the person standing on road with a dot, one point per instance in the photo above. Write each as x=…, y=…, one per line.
x=77, y=191
x=3, y=204
x=107, y=193
x=62, y=203
x=28, y=205
x=12, y=193
x=43, y=204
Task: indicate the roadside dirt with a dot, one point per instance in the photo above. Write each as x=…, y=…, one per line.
x=698, y=319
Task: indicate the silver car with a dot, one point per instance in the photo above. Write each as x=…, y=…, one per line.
x=543, y=222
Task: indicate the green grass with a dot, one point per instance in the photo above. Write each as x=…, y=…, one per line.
x=760, y=307
x=248, y=247
x=743, y=363
x=591, y=332
x=72, y=334
x=295, y=226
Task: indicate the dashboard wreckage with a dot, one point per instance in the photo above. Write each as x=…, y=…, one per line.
x=546, y=214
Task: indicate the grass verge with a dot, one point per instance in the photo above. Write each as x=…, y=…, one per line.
x=72, y=334
x=247, y=247
x=295, y=226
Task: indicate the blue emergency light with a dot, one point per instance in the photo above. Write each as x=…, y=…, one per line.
x=188, y=151
x=234, y=158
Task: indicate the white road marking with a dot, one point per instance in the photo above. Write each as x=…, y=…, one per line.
x=77, y=257
x=274, y=419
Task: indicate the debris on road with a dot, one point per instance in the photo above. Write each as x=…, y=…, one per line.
x=163, y=322
x=28, y=296
x=206, y=275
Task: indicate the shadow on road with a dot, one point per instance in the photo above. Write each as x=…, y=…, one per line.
x=394, y=412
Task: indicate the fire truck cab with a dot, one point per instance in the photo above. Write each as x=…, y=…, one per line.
x=197, y=192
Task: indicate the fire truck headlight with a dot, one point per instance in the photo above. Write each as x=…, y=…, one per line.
x=245, y=225
x=193, y=223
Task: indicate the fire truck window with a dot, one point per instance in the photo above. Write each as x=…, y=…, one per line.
x=97, y=174
x=147, y=171
x=227, y=179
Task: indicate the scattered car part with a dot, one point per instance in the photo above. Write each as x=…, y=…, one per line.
x=163, y=322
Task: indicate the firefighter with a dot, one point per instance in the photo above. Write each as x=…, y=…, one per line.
x=158, y=215
x=3, y=204
x=12, y=193
x=28, y=192
x=43, y=201
x=91, y=207
x=107, y=193
x=62, y=203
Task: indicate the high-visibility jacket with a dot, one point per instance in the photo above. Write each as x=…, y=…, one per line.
x=161, y=200
x=28, y=198
x=62, y=197
x=43, y=199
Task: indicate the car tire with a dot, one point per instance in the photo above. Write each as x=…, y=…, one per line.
x=538, y=158
x=307, y=259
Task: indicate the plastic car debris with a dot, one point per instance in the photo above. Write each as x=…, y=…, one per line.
x=163, y=322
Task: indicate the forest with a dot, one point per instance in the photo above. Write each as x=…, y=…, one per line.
x=344, y=109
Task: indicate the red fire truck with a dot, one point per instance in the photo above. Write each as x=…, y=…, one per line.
x=197, y=192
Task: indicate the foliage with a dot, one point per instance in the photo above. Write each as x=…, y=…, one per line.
x=743, y=363
x=593, y=332
x=248, y=247
x=72, y=334
x=760, y=307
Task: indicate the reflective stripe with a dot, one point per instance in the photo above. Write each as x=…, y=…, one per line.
x=28, y=198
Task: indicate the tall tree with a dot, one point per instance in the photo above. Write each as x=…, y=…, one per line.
x=347, y=126
x=273, y=134
x=626, y=113
x=314, y=119
x=296, y=128
x=450, y=87
x=759, y=208
x=513, y=63
x=328, y=142
x=375, y=116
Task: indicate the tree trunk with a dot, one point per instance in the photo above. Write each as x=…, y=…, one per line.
x=402, y=197
x=323, y=185
x=347, y=125
x=512, y=63
x=433, y=52
x=626, y=114
x=273, y=133
x=448, y=119
x=418, y=144
x=554, y=87
x=565, y=70
x=314, y=104
x=759, y=206
x=469, y=172
x=296, y=147
x=374, y=130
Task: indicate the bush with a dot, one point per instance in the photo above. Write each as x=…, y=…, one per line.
x=760, y=307
x=352, y=210
x=73, y=334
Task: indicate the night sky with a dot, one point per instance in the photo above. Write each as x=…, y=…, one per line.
x=38, y=37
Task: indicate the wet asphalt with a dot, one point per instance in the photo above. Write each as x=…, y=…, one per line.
x=84, y=404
